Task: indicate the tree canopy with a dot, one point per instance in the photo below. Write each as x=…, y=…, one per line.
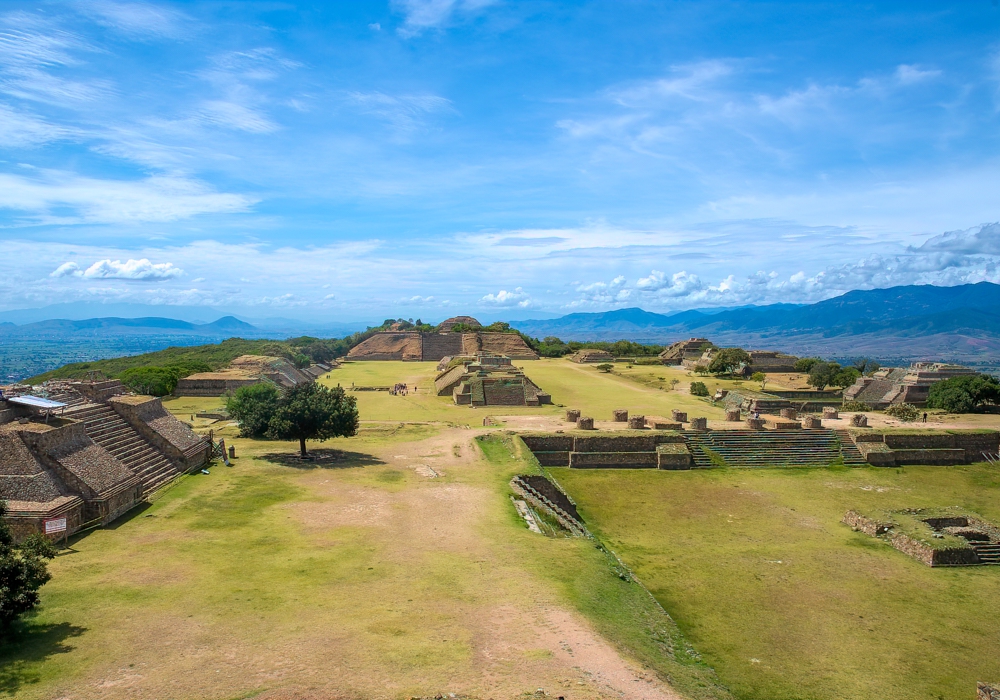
x=824, y=374
x=964, y=394
x=729, y=360
x=304, y=412
x=22, y=572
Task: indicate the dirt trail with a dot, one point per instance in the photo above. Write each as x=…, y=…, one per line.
x=521, y=639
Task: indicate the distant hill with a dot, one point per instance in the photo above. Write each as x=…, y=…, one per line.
x=64, y=328
x=960, y=323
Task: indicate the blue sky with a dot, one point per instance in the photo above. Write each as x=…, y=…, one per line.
x=356, y=160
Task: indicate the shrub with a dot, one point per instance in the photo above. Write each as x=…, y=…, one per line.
x=605, y=367
x=855, y=407
x=903, y=411
x=699, y=389
x=700, y=369
x=22, y=572
x=806, y=364
x=964, y=394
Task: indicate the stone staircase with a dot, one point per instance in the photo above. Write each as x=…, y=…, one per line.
x=988, y=552
x=852, y=455
x=760, y=448
x=110, y=431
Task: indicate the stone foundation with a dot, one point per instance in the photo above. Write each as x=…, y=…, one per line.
x=859, y=420
x=679, y=416
x=789, y=413
x=699, y=424
x=661, y=423
x=572, y=415
x=585, y=423
x=831, y=413
x=755, y=423
x=733, y=415
x=620, y=415
x=812, y=422
x=987, y=691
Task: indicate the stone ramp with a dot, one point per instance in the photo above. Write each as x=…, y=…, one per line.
x=852, y=455
x=770, y=448
x=114, y=434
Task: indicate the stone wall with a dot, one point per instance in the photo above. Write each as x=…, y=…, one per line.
x=503, y=392
x=612, y=460
x=673, y=456
x=987, y=691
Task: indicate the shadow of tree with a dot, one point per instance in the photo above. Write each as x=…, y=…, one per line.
x=323, y=459
x=27, y=647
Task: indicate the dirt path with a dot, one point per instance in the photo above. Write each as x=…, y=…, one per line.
x=520, y=638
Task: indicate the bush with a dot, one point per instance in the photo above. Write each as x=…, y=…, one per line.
x=605, y=367
x=903, y=411
x=855, y=407
x=824, y=374
x=22, y=572
x=159, y=381
x=964, y=394
x=699, y=389
x=700, y=369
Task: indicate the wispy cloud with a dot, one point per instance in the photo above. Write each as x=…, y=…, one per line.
x=404, y=113
x=138, y=19
x=95, y=201
x=420, y=15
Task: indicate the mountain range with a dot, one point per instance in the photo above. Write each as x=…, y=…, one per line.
x=960, y=323
x=224, y=327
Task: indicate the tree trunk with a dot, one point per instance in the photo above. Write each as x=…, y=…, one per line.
x=302, y=447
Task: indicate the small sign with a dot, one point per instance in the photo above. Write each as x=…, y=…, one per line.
x=54, y=526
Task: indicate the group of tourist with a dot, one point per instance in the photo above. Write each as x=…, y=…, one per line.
x=401, y=390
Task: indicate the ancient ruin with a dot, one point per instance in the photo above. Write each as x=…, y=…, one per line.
x=766, y=361
x=776, y=401
x=245, y=371
x=592, y=355
x=416, y=346
x=87, y=451
x=691, y=349
x=488, y=380
x=893, y=385
x=936, y=537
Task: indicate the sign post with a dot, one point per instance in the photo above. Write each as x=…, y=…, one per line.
x=53, y=527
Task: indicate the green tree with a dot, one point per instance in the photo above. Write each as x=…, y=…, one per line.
x=154, y=381
x=252, y=407
x=824, y=374
x=964, y=394
x=313, y=412
x=22, y=572
x=806, y=364
x=728, y=360
x=699, y=389
x=605, y=367
x=759, y=377
x=866, y=365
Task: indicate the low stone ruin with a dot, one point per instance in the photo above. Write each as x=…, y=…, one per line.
x=892, y=447
x=417, y=346
x=679, y=416
x=572, y=415
x=790, y=413
x=592, y=355
x=247, y=370
x=812, y=422
x=682, y=350
x=733, y=415
x=699, y=424
x=987, y=691
x=614, y=450
x=620, y=415
x=585, y=423
x=830, y=413
x=935, y=537
x=546, y=496
x=859, y=420
x=637, y=422
x=893, y=385
x=97, y=459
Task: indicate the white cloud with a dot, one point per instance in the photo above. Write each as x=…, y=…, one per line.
x=680, y=284
x=427, y=14
x=142, y=270
x=910, y=74
x=375, y=27
x=67, y=268
x=518, y=298
x=603, y=293
x=20, y=129
x=233, y=115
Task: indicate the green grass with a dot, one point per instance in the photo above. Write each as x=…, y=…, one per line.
x=787, y=603
x=571, y=385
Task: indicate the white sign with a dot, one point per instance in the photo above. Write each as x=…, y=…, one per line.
x=55, y=525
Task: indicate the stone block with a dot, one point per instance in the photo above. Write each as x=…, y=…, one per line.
x=572, y=415
x=775, y=423
x=637, y=422
x=621, y=415
x=987, y=691
x=661, y=423
x=613, y=460
x=859, y=420
x=755, y=423
x=733, y=415
x=699, y=424
x=790, y=413
x=812, y=422
x=673, y=457
x=830, y=413
x=584, y=423
x=679, y=416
